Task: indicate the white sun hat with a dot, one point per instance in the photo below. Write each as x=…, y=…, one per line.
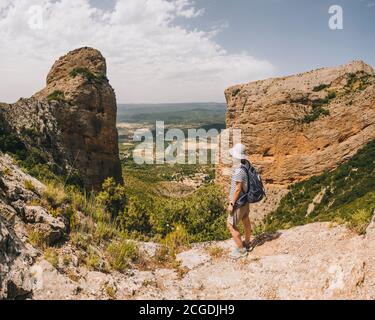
x=238, y=152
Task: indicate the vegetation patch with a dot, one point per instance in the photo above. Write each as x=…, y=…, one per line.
x=315, y=114
x=52, y=257
x=321, y=87
x=30, y=186
x=56, y=95
x=11, y=143
x=88, y=75
x=31, y=133
x=358, y=81
x=349, y=199
x=122, y=254
x=235, y=92
x=177, y=240
x=38, y=239
x=215, y=251
x=318, y=109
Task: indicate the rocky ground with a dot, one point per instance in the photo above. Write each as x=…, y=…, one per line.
x=312, y=262
x=318, y=261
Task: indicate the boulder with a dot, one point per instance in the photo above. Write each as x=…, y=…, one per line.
x=15, y=278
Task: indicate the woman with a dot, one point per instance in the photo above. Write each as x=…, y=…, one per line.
x=239, y=187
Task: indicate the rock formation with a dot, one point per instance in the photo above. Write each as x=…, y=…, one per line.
x=300, y=126
x=18, y=220
x=73, y=119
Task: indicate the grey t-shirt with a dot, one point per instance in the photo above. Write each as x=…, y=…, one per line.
x=239, y=175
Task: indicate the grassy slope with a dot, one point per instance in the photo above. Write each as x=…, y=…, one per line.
x=349, y=197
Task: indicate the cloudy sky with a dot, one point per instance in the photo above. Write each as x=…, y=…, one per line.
x=179, y=50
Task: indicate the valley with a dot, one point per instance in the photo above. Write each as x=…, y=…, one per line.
x=171, y=180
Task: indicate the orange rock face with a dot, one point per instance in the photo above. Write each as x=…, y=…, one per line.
x=300, y=126
x=75, y=117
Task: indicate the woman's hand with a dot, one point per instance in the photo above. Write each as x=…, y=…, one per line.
x=231, y=208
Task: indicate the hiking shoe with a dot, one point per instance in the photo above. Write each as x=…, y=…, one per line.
x=248, y=246
x=238, y=254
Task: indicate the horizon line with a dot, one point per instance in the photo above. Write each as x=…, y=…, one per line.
x=158, y=103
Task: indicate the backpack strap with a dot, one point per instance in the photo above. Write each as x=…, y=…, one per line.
x=247, y=172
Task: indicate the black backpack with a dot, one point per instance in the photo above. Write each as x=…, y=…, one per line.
x=256, y=191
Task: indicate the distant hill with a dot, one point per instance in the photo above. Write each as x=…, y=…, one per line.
x=180, y=113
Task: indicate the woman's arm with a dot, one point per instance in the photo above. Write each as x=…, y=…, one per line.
x=236, y=196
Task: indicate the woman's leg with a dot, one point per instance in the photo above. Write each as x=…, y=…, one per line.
x=248, y=230
x=236, y=235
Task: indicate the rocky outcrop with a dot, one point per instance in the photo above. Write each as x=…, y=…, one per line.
x=73, y=119
x=19, y=219
x=300, y=126
x=15, y=278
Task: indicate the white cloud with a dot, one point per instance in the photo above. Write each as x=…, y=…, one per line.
x=150, y=57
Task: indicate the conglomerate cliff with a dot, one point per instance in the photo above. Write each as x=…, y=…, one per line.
x=300, y=126
x=72, y=121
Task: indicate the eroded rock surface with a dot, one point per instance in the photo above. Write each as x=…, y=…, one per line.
x=18, y=220
x=73, y=120
x=300, y=126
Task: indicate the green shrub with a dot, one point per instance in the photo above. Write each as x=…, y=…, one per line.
x=318, y=109
x=56, y=95
x=55, y=195
x=104, y=232
x=136, y=218
x=81, y=240
x=111, y=292
x=113, y=197
x=67, y=260
x=315, y=115
x=52, y=257
x=11, y=143
x=71, y=215
x=122, y=254
x=88, y=75
x=320, y=102
x=358, y=81
x=30, y=186
x=206, y=218
x=32, y=133
x=177, y=240
x=149, y=216
x=93, y=261
x=6, y=172
x=236, y=92
x=38, y=239
x=332, y=95
x=360, y=220
x=163, y=256
x=321, y=87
